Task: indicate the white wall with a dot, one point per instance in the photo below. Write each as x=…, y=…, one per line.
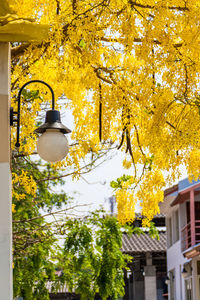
x=5, y=177
x=175, y=260
x=5, y=233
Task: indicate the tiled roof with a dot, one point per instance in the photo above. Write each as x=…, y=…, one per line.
x=62, y=289
x=144, y=243
x=158, y=216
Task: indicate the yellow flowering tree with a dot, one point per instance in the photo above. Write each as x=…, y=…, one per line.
x=129, y=71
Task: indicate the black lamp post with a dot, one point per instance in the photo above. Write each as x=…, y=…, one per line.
x=52, y=145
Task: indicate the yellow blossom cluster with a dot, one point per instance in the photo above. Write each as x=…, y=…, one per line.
x=13, y=208
x=150, y=194
x=125, y=199
x=125, y=205
x=129, y=68
x=23, y=183
x=193, y=157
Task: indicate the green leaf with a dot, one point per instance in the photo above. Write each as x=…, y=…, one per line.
x=82, y=44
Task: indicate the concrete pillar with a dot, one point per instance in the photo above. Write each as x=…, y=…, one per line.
x=148, y=259
x=195, y=279
x=5, y=177
x=150, y=283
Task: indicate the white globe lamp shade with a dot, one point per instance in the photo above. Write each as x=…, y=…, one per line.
x=52, y=145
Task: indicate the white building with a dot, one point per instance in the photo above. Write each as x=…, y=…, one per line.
x=182, y=209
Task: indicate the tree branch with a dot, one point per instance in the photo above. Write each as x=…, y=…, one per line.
x=49, y=214
x=179, y=8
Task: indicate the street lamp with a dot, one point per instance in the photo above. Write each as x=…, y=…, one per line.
x=52, y=145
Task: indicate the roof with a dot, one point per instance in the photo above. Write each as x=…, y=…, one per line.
x=179, y=193
x=144, y=243
x=192, y=251
x=62, y=289
x=171, y=190
x=158, y=216
x=185, y=193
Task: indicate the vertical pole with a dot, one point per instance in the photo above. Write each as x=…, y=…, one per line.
x=195, y=279
x=192, y=217
x=150, y=279
x=186, y=233
x=5, y=177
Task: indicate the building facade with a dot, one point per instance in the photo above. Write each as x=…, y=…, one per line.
x=182, y=209
x=146, y=281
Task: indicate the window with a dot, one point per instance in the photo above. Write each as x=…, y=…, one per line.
x=176, y=226
x=188, y=289
x=173, y=229
x=169, y=232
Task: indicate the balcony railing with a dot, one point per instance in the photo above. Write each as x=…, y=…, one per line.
x=186, y=239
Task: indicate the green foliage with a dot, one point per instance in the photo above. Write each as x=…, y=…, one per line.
x=91, y=259
x=138, y=230
x=149, y=162
x=118, y=183
x=34, y=238
x=93, y=262
x=32, y=272
x=153, y=231
x=30, y=95
x=82, y=43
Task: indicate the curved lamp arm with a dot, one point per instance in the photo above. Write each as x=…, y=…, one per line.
x=17, y=120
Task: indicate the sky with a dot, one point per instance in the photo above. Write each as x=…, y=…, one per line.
x=93, y=189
